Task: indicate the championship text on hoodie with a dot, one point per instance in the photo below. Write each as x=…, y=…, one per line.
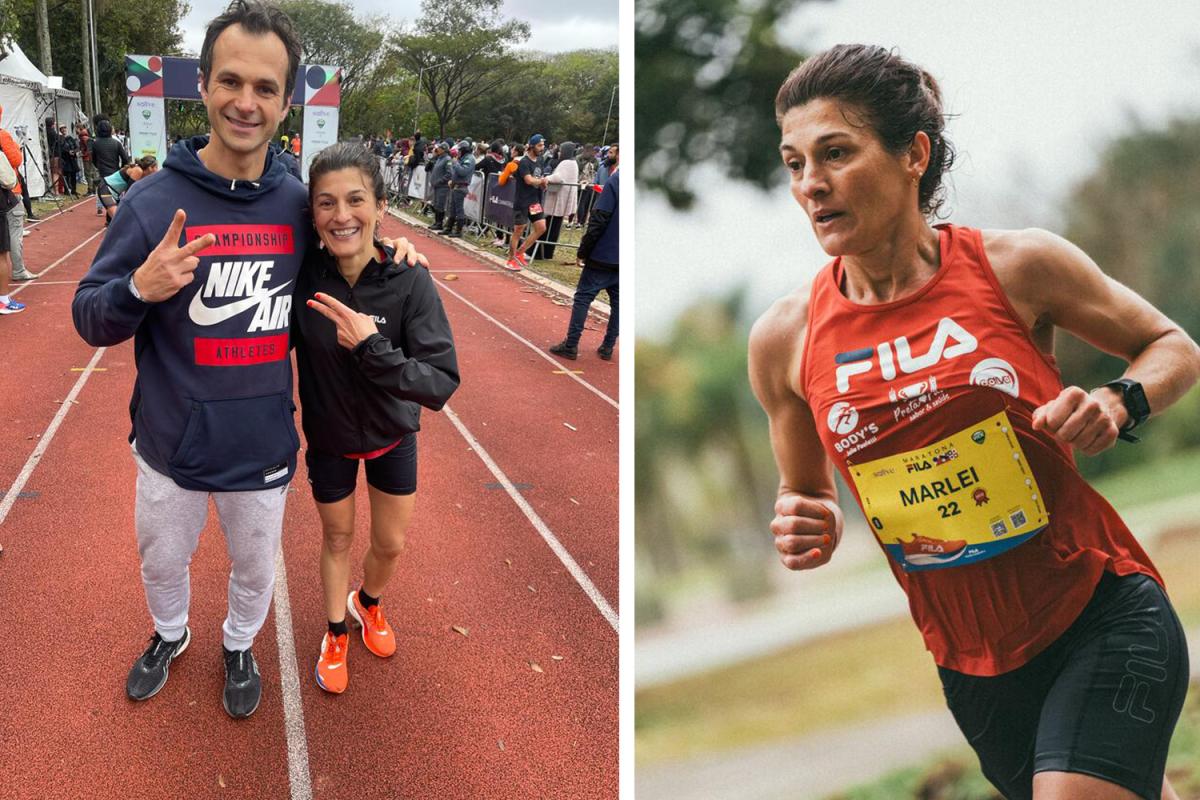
x=237, y=286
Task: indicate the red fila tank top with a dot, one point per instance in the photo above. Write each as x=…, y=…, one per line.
x=924, y=405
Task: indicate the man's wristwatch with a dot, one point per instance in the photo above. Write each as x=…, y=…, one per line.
x=1136, y=405
x=134, y=291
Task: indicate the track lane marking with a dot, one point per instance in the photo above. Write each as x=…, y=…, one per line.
x=10, y=496
x=299, y=776
x=530, y=345
x=77, y=248
x=556, y=546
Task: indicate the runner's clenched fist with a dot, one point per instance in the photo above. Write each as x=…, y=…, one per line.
x=806, y=530
x=170, y=267
x=1085, y=421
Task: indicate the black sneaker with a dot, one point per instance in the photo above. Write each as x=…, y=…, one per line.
x=150, y=671
x=605, y=351
x=565, y=350
x=243, y=688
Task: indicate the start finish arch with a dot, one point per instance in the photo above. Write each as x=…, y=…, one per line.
x=150, y=80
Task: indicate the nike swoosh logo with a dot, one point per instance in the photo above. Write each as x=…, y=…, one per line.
x=203, y=315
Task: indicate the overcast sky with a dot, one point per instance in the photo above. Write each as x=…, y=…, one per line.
x=1038, y=88
x=555, y=27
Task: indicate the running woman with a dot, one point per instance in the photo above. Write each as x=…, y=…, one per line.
x=919, y=364
x=373, y=345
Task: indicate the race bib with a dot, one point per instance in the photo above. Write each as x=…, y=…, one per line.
x=536, y=208
x=963, y=499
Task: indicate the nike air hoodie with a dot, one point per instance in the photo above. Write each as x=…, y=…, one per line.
x=212, y=403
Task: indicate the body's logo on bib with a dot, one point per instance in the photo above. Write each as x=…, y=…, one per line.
x=996, y=373
x=843, y=418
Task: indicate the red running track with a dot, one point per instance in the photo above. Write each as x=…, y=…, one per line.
x=450, y=716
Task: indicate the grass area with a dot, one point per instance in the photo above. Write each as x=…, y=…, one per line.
x=561, y=268
x=1163, y=479
x=868, y=673
x=957, y=776
x=852, y=676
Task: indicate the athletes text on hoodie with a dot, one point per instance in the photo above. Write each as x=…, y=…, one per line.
x=362, y=400
x=212, y=404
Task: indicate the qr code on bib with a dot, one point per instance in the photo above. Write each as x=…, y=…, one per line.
x=999, y=528
x=1017, y=518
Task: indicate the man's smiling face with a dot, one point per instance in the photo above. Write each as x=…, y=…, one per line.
x=244, y=94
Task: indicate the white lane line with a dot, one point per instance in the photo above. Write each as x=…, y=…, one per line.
x=532, y=347
x=289, y=683
x=576, y=571
x=10, y=496
x=37, y=222
x=38, y=279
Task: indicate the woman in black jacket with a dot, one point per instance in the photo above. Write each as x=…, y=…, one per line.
x=372, y=345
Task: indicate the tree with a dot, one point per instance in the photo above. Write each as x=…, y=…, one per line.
x=707, y=73
x=460, y=50
x=331, y=36
x=147, y=27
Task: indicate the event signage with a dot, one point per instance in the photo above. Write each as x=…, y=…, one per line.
x=416, y=184
x=320, y=131
x=147, y=128
x=499, y=208
x=474, y=202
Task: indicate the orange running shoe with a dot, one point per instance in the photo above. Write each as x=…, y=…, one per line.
x=522, y=259
x=331, y=666
x=376, y=633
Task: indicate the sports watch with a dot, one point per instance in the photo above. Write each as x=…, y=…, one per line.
x=1134, y=398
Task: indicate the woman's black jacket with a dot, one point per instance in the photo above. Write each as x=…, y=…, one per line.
x=361, y=400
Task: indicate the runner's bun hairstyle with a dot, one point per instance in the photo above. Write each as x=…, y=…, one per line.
x=896, y=97
x=258, y=19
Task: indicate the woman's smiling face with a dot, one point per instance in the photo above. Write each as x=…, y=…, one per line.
x=345, y=212
x=849, y=185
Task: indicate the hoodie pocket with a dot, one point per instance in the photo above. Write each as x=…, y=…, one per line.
x=237, y=445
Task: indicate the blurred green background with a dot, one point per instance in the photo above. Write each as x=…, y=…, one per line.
x=705, y=479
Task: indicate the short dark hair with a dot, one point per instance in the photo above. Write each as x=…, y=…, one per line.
x=259, y=19
x=347, y=155
x=896, y=97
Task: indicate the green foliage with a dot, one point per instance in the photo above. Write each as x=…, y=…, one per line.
x=463, y=48
x=707, y=73
x=331, y=35
x=1138, y=217
x=564, y=96
x=147, y=27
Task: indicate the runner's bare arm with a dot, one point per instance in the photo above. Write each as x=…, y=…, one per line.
x=1056, y=283
x=808, y=523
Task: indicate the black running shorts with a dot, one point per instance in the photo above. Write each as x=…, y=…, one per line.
x=333, y=477
x=523, y=216
x=1102, y=700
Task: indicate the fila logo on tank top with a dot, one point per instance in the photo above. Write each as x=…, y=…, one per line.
x=941, y=476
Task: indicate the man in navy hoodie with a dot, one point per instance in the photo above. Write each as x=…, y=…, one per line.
x=199, y=268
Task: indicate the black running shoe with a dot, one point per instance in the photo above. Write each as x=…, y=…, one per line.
x=605, y=351
x=565, y=350
x=243, y=688
x=150, y=671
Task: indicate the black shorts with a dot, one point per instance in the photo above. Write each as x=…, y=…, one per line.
x=1102, y=700
x=333, y=477
x=523, y=216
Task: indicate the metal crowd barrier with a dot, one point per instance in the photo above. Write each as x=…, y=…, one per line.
x=490, y=213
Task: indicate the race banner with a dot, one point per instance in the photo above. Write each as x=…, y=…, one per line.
x=320, y=131
x=147, y=127
x=473, y=205
x=499, y=208
x=416, y=184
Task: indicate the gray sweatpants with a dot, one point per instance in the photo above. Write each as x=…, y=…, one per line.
x=169, y=520
x=16, y=248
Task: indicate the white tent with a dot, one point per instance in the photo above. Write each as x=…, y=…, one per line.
x=28, y=99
